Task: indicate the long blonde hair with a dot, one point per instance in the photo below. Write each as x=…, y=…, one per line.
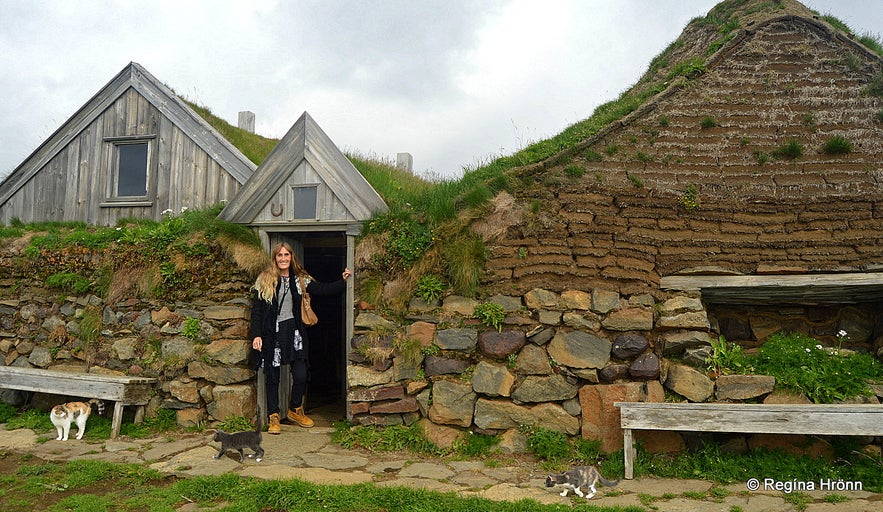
x=267, y=279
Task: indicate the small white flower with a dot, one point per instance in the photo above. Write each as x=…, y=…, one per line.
x=119, y=229
x=807, y=351
x=818, y=347
x=183, y=209
x=842, y=333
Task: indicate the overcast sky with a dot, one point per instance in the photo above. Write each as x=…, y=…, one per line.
x=455, y=83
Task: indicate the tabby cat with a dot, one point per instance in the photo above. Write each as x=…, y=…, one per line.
x=73, y=412
x=580, y=476
x=238, y=441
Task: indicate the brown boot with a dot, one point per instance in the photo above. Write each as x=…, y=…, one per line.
x=298, y=416
x=274, y=427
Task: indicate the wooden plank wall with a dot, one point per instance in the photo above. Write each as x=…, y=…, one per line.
x=328, y=206
x=74, y=183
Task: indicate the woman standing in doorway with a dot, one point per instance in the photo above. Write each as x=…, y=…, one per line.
x=277, y=333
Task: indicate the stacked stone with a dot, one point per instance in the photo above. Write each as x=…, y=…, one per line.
x=202, y=379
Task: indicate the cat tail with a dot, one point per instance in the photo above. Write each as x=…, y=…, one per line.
x=99, y=404
x=607, y=483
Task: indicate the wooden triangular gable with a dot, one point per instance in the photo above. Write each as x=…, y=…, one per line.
x=133, y=76
x=305, y=143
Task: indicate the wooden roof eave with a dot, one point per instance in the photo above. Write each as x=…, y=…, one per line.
x=203, y=134
x=305, y=141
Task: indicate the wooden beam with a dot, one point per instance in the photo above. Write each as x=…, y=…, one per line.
x=845, y=288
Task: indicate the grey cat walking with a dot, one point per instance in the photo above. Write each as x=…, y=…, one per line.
x=238, y=441
x=580, y=476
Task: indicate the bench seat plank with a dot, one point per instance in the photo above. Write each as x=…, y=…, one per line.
x=811, y=419
x=817, y=419
x=123, y=390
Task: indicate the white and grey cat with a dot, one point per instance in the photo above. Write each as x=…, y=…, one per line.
x=580, y=476
x=238, y=441
x=63, y=415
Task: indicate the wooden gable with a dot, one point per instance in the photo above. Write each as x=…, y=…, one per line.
x=72, y=175
x=306, y=180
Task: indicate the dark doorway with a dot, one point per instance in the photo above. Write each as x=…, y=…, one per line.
x=323, y=254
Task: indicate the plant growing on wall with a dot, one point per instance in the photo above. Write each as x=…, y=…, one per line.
x=190, y=329
x=726, y=358
x=837, y=145
x=707, y=122
x=637, y=182
x=68, y=282
x=574, y=171
x=430, y=288
x=490, y=314
x=690, y=198
x=790, y=150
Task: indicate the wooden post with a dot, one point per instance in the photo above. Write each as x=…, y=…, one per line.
x=117, y=420
x=628, y=453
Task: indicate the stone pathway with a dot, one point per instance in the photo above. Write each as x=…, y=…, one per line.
x=319, y=461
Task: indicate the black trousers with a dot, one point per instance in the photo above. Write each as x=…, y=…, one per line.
x=299, y=379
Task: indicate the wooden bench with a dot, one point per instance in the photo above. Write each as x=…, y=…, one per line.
x=122, y=390
x=811, y=419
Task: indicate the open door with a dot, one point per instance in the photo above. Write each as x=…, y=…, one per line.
x=324, y=255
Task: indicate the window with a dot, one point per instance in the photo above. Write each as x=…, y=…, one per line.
x=131, y=171
x=305, y=202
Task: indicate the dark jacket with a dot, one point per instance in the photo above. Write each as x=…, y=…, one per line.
x=263, y=319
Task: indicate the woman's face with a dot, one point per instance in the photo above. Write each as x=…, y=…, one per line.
x=283, y=260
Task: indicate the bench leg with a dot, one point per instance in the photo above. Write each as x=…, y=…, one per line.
x=628, y=453
x=117, y=420
x=139, y=413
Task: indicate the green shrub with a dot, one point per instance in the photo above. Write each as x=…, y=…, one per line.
x=642, y=157
x=549, y=445
x=476, y=445
x=593, y=156
x=726, y=358
x=69, y=283
x=789, y=150
x=191, y=328
x=574, y=171
x=823, y=374
x=490, y=314
x=406, y=239
x=7, y=412
x=707, y=122
x=430, y=288
x=837, y=145
x=690, y=198
x=236, y=424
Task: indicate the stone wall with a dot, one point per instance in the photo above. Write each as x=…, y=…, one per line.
x=560, y=361
x=204, y=376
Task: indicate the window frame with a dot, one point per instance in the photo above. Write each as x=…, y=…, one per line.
x=293, y=201
x=112, y=197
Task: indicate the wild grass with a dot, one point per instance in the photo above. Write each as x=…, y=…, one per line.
x=160, y=259
x=97, y=427
x=712, y=462
x=253, y=146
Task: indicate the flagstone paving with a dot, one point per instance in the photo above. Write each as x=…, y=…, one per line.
x=310, y=455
